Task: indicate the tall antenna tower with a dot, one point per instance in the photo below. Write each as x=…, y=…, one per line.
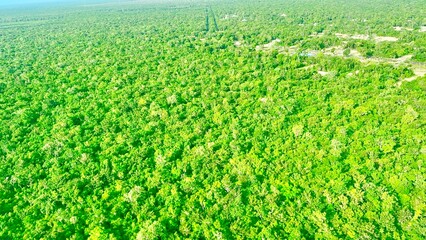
x=209, y=8
x=214, y=19
x=207, y=19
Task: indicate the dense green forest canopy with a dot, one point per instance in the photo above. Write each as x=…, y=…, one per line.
x=295, y=119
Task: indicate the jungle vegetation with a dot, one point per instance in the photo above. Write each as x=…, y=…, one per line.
x=292, y=120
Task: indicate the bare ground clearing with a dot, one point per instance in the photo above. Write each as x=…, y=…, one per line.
x=268, y=46
x=399, y=29
x=419, y=70
x=367, y=37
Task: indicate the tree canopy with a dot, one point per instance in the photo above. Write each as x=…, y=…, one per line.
x=296, y=120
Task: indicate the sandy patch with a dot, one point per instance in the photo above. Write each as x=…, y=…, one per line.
x=366, y=37
x=290, y=50
x=307, y=67
x=229, y=16
x=419, y=71
x=399, y=29
x=385, y=39
x=356, y=36
x=263, y=100
x=393, y=61
x=268, y=45
x=404, y=58
x=355, y=53
x=410, y=79
x=338, y=51
x=324, y=73
x=334, y=51
x=309, y=53
x=316, y=34
x=353, y=73
x=360, y=37
x=342, y=35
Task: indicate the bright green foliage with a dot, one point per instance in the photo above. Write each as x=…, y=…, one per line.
x=134, y=123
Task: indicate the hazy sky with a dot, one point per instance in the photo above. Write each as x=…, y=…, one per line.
x=59, y=1
x=37, y=2
x=21, y=2
x=29, y=1
x=9, y=2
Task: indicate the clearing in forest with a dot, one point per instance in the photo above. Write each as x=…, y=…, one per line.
x=385, y=39
x=377, y=39
x=418, y=70
x=268, y=45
